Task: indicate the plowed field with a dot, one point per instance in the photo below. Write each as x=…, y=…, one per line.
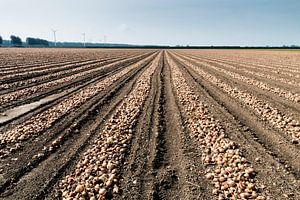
x=149, y=124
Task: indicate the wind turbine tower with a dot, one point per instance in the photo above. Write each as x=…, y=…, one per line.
x=54, y=34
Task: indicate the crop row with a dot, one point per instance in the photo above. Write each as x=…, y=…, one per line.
x=9, y=61
x=295, y=97
x=96, y=174
x=24, y=69
x=231, y=174
x=40, y=122
x=51, y=70
x=280, y=60
x=50, y=75
x=53, y=75
x=259, y=74
x=55, y=63
x=23, y=58
x=262, y=65
x=280, y=73
x=90, y=69
x=265, y=110
x=276, y=63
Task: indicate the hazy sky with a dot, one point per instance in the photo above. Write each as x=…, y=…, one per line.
x=193, y=22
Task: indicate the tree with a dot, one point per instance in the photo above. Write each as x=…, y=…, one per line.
x=1, y=40
x=36, y=42
x=15, y=40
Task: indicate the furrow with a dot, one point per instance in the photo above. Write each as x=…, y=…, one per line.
x=291, y=96
x=264, y=109
x=9, y=99
x=257, y=75
x=95, y=175
x=231, y=174
x=52, y=155
x=40, y=122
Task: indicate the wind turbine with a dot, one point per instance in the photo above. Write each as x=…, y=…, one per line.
x=54, y=34
x=83, y=34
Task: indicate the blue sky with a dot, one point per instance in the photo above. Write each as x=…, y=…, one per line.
x=172, y=22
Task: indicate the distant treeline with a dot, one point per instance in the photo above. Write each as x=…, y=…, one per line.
x=36, y=42
x=16, y=41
